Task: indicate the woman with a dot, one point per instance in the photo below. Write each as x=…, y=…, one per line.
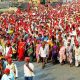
x=14, y=55
x=77, y=54
x=62, y=54
x=54, y=53
x=30, y=52
x=21, y=50
x=38, y=45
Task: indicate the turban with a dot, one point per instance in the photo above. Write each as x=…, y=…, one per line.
x=9, y=60
x=8, y=42
x=77, y=43
x=7, y=57
x=27, y=59
x=7, y=71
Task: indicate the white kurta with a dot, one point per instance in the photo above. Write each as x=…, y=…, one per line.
x=77, y=56
x=7, y=50
x=5, y=77
x=27, y=72
x=42, y=52
x=65, y=42
x=47, y=48
x=13, y=69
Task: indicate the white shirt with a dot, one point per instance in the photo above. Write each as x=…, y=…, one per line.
x=47, y=48
x=74, y=32
x=77, y=51
x=78, y=39
x=27, y=72
x=57, y=39
x=72, y=41
x=42, y=52
x=13, y=68
x=65, y=42
x=7, y=50
x=5, y=77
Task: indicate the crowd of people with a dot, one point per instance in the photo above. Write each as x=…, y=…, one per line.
x=43, y=33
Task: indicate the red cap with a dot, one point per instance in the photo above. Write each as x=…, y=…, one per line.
x=7, y=71
x=8, y=42
x=27, y=59
x=77, y=43
x=9, y=60
x=7, y=57
x=69, y=40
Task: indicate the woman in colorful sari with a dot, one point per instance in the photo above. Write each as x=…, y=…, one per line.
x=62, y=54
x=38, y=45
x=21, y=50
x=30, y=52
x=54, y=53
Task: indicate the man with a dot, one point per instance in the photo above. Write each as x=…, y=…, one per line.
x=6, y=75
x=43, y=53
x=62, y=54
x=28, y=69
x=8, y=49
x=69, y=54
x=13, y=69
x=77, y=54
x=47, y=50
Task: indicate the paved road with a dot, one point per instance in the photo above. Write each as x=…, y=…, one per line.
x=52, y=72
